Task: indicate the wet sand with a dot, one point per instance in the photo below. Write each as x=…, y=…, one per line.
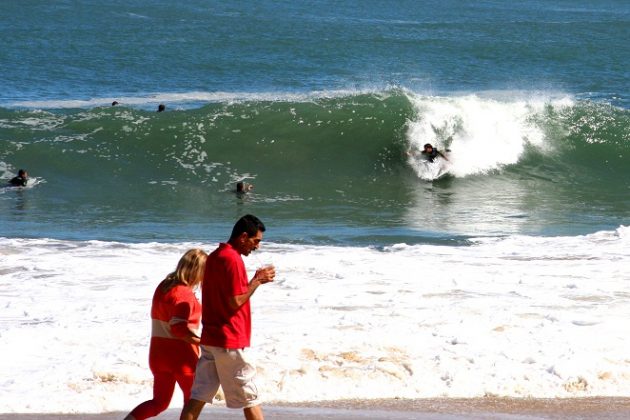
x=600, y=408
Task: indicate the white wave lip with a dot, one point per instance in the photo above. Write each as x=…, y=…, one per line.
x=182, y=98
x=520, y=316
x=482, y=133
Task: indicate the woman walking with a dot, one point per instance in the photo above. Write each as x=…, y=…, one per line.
x=174, y=349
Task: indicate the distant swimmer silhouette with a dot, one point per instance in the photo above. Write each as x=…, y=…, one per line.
x=20, y=180
x=161, y=107
x=114, y=103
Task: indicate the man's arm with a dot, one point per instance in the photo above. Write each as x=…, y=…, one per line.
x=262, y=276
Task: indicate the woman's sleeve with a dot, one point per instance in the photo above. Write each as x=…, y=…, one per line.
x=181, y=317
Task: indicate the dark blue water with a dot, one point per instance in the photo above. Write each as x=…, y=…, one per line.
x=92, y=49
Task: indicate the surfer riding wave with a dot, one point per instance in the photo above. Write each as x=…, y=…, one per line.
x=433, y=164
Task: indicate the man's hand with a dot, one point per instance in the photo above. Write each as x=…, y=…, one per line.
x=265, y=274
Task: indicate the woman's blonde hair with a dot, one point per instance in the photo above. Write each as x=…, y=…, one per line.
x=189, y=271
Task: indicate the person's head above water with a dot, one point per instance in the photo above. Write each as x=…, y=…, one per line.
x=20, y=180
x=242, y=187
x=428, y=147
x=161, y=107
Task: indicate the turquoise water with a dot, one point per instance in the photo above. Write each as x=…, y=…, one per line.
x=317, y=105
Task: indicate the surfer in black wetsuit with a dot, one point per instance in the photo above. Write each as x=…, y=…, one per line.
x=20, y=180
x=431, y=152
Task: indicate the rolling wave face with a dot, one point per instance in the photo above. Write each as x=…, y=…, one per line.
x=597, y=139
x=123, y=165
x=552, y=166
x=290, y=144
x=353, y=134
x=518, y=165
x=486, y=135
x=482, y=135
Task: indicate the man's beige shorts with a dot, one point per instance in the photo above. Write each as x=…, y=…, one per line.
x=230, y=369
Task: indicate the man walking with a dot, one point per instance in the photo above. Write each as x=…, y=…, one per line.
x=226, y=320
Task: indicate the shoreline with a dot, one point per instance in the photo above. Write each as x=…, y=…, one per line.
x=601, y=408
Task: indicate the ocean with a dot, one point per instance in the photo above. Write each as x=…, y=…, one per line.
x=505, y=276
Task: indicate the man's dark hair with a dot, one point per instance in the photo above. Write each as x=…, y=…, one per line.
x=249, y=224
x=22, y=172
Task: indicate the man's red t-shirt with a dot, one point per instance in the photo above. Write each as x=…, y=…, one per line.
x=225, y=277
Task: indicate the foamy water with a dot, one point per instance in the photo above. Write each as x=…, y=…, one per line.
x=482, y=134
x=518, y=316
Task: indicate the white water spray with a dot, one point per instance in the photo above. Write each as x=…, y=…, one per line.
x=482, y=134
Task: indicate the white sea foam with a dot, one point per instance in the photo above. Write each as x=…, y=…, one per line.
x=520, y=316
x=6, y=171
x=195, y=97
x=483, y=132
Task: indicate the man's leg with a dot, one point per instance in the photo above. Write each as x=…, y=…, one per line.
x=254, y=413
x=192, y=409
x=237, y=380
x=205, y=386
